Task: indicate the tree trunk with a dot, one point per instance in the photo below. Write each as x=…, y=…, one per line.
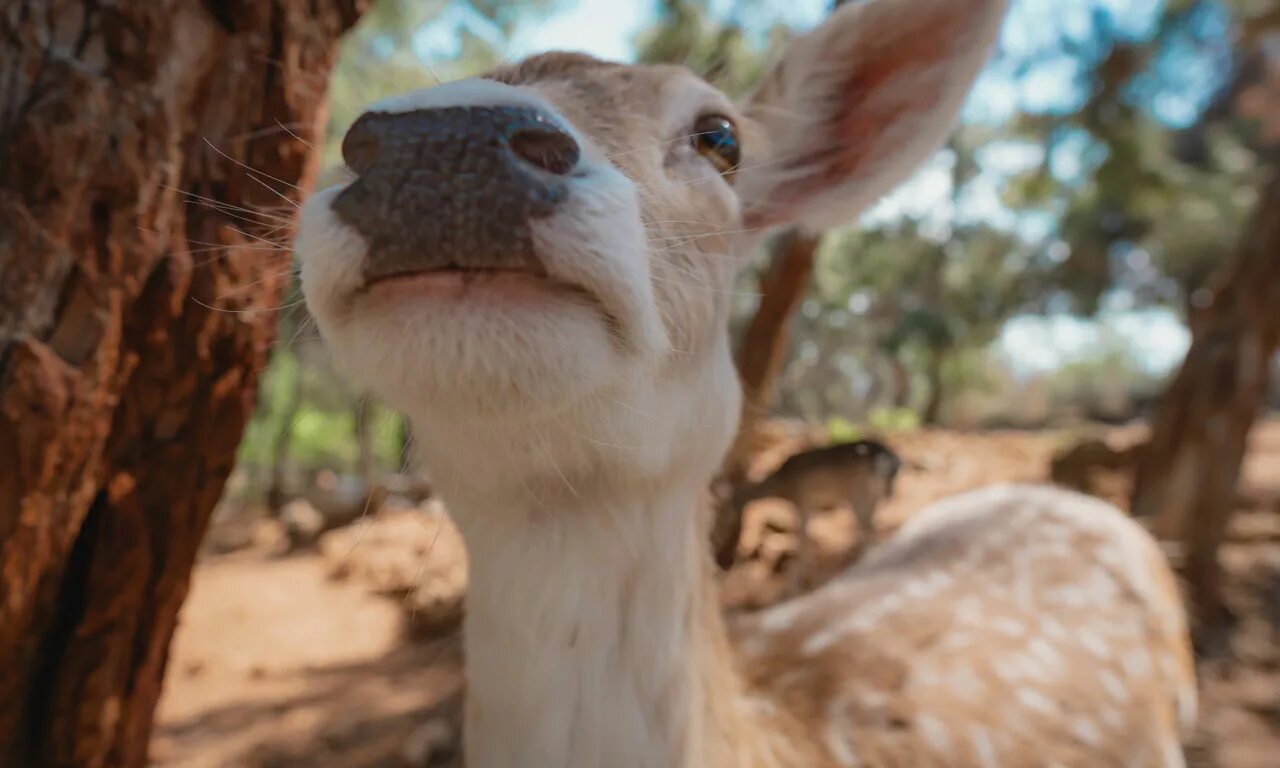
x=281, y=447
x=937, y=394
x=765, y=343
x=132, y=328
x=901, y=380
x=760, y=360
x=1187, y=474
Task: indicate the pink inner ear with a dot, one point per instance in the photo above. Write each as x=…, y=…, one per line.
x=882, y=88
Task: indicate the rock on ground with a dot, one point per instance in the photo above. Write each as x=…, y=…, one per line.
x=412, y=554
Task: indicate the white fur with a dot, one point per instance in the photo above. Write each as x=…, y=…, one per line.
x=585, y=554
x=582, y=659
x=473, y=92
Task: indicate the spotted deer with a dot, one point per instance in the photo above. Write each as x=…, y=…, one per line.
x=858, y=474
x=535, y=265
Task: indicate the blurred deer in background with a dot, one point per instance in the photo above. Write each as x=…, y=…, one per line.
x=535, y=266
x=860, y=475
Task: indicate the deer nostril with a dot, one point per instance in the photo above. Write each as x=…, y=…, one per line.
x=360, y=144
x=546, y=147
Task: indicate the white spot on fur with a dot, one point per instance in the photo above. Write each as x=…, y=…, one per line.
x=966, y=684
x=1094, y=644
x=1035, y=700
x=1052, y=629
x=1173, y=755
x=935, y=734
x=1136, y=662
x=983, y=748
x=1044, y=652
x=1114, y=687
x=1111, y=717
x=871, y=699
x=824, y=640
x=1006, y=671
x=783, y=617
x=969, y=610
x=757, y=706
x=1087, y=731
x=839, y=738
x=1009, y=627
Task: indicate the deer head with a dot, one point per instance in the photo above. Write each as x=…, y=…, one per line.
x=541, y=258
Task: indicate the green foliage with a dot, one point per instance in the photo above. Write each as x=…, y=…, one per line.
x=841, y=430
x=321, y=411
x=890, y=420
x=879, y=421
x=1174, y=198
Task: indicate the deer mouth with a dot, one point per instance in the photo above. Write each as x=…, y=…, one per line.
x=467, y=280
x=463, y=283
x=462, y=277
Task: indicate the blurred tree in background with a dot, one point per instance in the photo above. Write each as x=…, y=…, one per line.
x=1188, y=475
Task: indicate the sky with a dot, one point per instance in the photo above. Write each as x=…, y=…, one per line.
x=1033, y=344
x=602, y=28
x=607, y=28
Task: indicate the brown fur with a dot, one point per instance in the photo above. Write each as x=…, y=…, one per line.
x=935, y=656
x=984, y=642
x=857, y=475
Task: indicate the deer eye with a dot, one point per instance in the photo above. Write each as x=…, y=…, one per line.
x=716, y=139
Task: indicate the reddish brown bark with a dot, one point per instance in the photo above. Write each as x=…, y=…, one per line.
x=129, y=349
x=765, y=343
x=760, y=359
x=1187, y=474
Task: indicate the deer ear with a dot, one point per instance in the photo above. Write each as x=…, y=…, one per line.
x=856, y=105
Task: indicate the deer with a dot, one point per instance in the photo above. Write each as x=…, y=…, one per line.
x=535, y=266
x=860, y=474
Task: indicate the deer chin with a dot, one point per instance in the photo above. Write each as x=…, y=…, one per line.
x=493, y=356
x=490, y=343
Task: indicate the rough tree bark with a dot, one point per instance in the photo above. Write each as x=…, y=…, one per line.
x=761, y=355
x=132, y=328
x=1187, y=473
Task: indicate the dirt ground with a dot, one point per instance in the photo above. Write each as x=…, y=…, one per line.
x=305, y=659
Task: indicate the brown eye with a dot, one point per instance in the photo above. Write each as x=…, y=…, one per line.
x=716, y=139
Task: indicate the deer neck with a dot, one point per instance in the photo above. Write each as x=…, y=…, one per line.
x=593, y=633
x=597, y=642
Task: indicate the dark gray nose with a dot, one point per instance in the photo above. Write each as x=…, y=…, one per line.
x=453, y=187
